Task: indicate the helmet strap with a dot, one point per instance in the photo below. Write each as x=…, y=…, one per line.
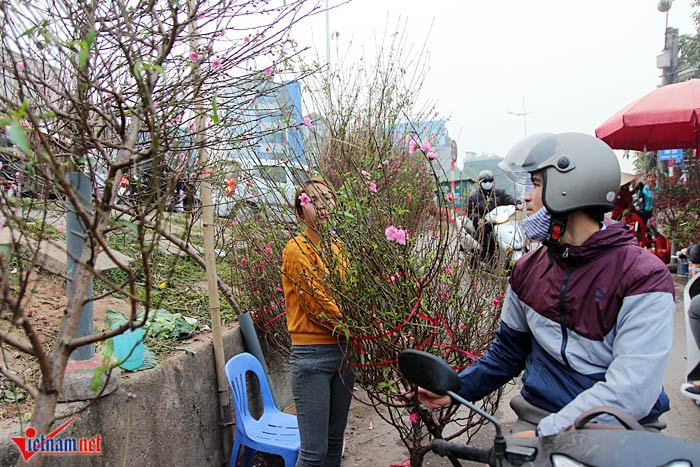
x=557, y=227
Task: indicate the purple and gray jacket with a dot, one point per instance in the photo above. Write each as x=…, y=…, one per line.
x=593, y=330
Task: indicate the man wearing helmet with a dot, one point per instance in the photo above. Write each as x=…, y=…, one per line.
x=480, y=202
x=589, y=315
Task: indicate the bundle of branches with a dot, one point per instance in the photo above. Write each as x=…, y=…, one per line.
x=408, y=284
x=678, y=205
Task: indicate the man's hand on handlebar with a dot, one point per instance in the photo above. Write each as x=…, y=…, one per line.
x=430, y=399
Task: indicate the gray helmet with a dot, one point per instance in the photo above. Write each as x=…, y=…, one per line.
x=579, y=171
x=485, y=176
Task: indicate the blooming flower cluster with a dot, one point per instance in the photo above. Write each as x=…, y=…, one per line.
x=395, y=235
x=425, y=146
x=371, y=184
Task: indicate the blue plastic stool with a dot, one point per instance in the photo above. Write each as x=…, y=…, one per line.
x=275, y=432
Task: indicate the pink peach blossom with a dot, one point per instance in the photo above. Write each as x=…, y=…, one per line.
x=395, y=235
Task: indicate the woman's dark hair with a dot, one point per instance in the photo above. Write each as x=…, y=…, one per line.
x=693, y=253
x=302, y=189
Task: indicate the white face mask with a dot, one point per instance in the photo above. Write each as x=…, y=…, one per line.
x=486, y=185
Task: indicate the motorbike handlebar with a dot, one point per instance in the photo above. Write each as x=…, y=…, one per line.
x=462, y=451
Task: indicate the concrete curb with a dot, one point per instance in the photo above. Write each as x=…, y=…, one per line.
x=52, y=255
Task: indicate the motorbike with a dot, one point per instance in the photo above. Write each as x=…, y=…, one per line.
x=507, y=231
x=583, y=445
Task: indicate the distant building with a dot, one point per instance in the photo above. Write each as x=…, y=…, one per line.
x=435, y=132
x=279, y=123
x=269, y=160
x=266, y=125
x=446, y=165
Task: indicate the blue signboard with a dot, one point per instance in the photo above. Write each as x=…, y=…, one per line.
x=671, y=154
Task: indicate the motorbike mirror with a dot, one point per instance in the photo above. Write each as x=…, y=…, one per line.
x=428, y=371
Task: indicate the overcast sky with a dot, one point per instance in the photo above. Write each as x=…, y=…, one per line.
x=573, y=62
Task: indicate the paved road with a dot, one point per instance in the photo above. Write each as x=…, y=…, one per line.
x=684, y=418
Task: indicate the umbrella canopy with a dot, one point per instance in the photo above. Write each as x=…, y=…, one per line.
x=666, y=118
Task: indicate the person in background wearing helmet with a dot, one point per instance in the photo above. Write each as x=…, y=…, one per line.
x=482, y=201
x=588, y=316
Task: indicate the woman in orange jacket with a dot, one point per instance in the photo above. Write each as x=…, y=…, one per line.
x=321, y=377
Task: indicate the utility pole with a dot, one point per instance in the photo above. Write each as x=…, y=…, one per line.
x=328, y=43
x=522, y=114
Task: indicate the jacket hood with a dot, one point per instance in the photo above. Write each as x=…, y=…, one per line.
x=614, y=234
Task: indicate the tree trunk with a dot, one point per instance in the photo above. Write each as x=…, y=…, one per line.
x=42, y=418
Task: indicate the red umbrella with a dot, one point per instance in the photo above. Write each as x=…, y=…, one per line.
x=666, y=118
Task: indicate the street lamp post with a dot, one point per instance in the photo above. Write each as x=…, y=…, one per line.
x=667, y=61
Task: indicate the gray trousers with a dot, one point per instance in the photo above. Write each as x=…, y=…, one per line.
x=322, y=383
